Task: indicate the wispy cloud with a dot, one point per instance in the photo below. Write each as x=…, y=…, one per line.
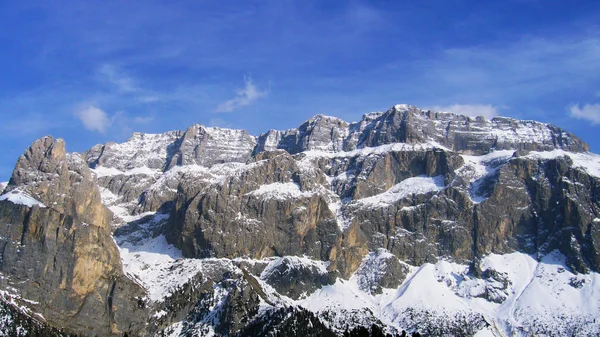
x=143, y=120
x=93, y=118
x=246, y=96
x=589, y=112
x=473, y=110
x=111, y=75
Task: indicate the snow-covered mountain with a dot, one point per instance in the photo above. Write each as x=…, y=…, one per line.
x=427, y=222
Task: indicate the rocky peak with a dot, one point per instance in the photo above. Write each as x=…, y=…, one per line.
x=140, y=150
x=319, y=133
x=60, y=180
x=45, y=155
x=206, y=146
x=323, y=133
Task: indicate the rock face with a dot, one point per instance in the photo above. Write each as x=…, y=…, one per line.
x=271, y=207
x=59, y=255
x=330, y=228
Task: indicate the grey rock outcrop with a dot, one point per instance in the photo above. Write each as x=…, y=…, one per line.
x=295, y=278
x=379, y=270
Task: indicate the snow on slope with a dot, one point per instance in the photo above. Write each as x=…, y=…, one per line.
x=21, y=198
x=477, y=169
x=541, y=295
x=151, y=261
x=588, y=162
x=280, y=191
x=381, y=149
x=293, y=262
x=409, y=186
x=102, y=171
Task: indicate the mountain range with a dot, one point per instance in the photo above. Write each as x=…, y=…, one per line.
x=408, y=221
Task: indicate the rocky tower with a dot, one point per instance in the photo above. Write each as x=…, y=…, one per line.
x=59, y=253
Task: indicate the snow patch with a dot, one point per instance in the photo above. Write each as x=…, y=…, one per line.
x=21, y=198
x=294, y=262
x=154, y=263
x=280, y=191
x=102, y=171
x=407, y=187
x=586, y=161
x=376, y=150
x=478, y=169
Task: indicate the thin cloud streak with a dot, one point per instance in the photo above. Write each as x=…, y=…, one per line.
x=109, y=74
x=246, y=96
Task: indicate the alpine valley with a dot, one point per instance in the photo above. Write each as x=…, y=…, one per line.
x=406, y=222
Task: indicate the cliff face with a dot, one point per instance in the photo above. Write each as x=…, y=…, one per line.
x=215, y=225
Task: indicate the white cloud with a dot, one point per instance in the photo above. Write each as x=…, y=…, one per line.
x=590, y=112
x=246, y=96
x=486, y=110
x=93, y=118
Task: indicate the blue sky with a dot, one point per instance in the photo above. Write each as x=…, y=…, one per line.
x=95, y=71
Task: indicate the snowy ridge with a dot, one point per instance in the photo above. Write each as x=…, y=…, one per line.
x=102, y=171
x=375, y=150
